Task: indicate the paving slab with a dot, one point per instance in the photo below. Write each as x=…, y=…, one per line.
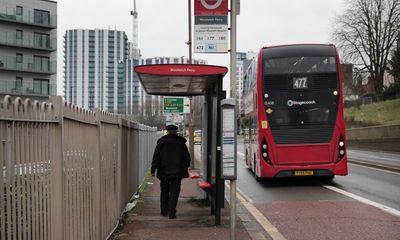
x=194, y=221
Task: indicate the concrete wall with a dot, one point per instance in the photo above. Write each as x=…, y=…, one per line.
x=384, y=138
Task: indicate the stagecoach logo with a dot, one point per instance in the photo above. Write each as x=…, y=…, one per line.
x=211, y=6
x=291, y=103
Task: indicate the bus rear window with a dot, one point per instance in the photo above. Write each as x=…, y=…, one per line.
x=304, y=64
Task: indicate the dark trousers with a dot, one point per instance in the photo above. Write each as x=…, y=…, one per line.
x=170, y=189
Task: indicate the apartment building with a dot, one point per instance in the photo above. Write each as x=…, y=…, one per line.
x=95, y=69
x=28, y=47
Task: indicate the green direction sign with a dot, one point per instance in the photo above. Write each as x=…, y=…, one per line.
x=173, y=105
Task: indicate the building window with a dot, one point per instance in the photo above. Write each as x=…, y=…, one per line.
x=41, y=63
x=41, y=86
x=41, y=17
x=18, y=60
x=19, y=11
x=19, y=36
x=18, y=85
x=41, y=40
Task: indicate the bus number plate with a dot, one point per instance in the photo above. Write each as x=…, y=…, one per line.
x=304, y=173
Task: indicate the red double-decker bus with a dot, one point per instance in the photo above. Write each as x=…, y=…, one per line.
x=293, y=112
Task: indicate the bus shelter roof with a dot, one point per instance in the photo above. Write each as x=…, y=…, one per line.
x=179, y=79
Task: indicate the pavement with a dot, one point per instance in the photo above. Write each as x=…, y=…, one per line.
x=194, y=220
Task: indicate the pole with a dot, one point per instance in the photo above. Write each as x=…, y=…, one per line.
x=233, y=210
x=190, y=30
x=191, y=130
x=233, y=95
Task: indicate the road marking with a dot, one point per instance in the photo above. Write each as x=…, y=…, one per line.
x=372, y=168
x=247, y=198
x=356, y=197
x=260, y=218
x=364, y=200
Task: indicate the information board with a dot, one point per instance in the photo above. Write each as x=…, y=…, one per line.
x=228, y=139
x=211, y=26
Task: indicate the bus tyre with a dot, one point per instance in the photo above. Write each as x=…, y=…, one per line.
x=327, y=179
x=258, y=179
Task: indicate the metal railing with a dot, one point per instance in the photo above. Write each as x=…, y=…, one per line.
x=67, y=173
x=41, y=42
x=26, y=64
x=27, y=88
x=36, y=18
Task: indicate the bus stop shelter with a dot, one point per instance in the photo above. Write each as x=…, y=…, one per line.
x=196, y=80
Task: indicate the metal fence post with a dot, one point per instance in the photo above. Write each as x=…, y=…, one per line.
x=119, y=162
x=97, y=180
x=57, y=173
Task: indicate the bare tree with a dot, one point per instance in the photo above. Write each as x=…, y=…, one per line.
x=366, y=32
x=394, y=63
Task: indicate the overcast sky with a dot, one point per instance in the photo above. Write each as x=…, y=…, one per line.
x=163, y=24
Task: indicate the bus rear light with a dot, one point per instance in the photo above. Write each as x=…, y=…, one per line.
x=342, y=149
x=264, y=151
x=264, y=146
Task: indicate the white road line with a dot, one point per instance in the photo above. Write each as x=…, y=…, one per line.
x=260, y=218
x=356, y=197
x=364, y=200
x=373, y=168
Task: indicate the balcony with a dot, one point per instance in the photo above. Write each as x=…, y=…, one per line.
x=32, y=18
x=31, y=65
x=33, y=88
x=31, y=41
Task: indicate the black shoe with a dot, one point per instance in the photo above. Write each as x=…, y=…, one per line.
x=172, y=216
x=164, y=214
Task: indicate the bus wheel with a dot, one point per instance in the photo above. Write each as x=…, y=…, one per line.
x=327, y=179
x=258, y=179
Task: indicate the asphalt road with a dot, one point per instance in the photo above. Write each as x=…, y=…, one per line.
x=308, y=209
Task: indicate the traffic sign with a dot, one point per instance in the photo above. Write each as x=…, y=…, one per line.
x=176, y=105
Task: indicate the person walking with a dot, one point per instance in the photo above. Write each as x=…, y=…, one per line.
x=171, y=160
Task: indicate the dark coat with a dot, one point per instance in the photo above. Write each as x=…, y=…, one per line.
x=171, y=157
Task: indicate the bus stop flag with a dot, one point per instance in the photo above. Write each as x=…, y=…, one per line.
x=211, y=26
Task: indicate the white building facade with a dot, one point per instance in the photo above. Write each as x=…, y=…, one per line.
x=28, y=47
x=243, y=60
x=95, y=69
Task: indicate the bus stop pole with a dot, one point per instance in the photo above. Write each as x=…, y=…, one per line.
x=191, y=126
x=234, y=96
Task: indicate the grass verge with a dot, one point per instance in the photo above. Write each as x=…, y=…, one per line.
x=381, y=113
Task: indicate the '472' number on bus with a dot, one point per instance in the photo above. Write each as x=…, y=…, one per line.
x=300, y=83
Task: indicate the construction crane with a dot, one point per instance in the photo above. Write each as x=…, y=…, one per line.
x=135, y=49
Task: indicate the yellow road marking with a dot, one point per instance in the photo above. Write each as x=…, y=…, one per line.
x=260, y=218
